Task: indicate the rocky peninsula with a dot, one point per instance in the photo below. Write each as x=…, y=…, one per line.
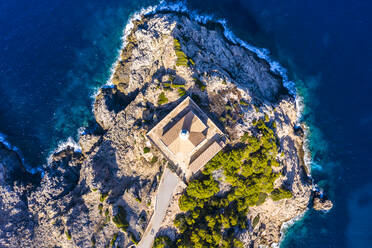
x=105, y=194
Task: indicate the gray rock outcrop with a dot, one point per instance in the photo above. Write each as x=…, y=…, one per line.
x=321, y=202
x=79, y=201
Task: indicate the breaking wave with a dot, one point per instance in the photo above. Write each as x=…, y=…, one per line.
x=180, y=7
x=6, y=143
x=30, y=169
x=286, y=225
x=62, y=145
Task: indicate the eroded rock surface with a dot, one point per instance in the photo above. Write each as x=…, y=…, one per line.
x=321, y=202
x=80, y=193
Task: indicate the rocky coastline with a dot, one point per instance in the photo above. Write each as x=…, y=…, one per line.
x=105, y=195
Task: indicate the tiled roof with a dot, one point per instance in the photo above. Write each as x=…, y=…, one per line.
x=202, y=141
x=204, y=157
x=191, y=123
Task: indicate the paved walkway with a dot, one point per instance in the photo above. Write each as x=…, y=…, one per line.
x=164, y=195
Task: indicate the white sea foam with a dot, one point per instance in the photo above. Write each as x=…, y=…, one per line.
x=180, y=7
x=286, y=225
x=261, y=52
x=127, y=30
x=30, y=169
x=5, y=142
x=62, y=145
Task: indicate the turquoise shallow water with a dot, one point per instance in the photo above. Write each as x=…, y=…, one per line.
x=54, y=55
x=54, y=58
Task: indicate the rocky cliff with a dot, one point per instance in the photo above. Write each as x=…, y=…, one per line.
x=104, y=195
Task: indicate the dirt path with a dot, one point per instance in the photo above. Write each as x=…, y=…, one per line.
x=166, y=188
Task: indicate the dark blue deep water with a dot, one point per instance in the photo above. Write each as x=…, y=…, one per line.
x=55, y=54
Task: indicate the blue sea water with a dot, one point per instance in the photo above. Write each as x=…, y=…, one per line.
x=55, y=54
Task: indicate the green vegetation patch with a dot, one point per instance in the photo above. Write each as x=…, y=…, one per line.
x=113, y=240
x=243, y=102
x=103, y=197
x=146, y=149
x=191, y=61
x=173, y=85
x=210, y=217
x=200, y=84
x=181, y=56
x=100, y=207
x=162, y=99
x=181, y=91
x=166, y=84
x=162, y=242
x=154, y=160
x=120, y=219
x=93, y=241
x=280, y=193
x=255, y=221
x=132, y=237
x=177, y=86
x=261, y=198
x=68, y=234
x=107, y=212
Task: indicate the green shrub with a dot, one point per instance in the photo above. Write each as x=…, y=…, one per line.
x=257, y=108
x=181, y=56
x=107, y=212
x=103, y=197
x=113, y=240
x=201, y=189
x=132, y=237
x=68, y=234
x=210, y=216
x=186, y=203
x=172, y=78
x=191, y=61
x=93, y=241
x=255, y=221
x=274, y=124
x=279, y=193
x=181, y=92
x=243, y=102
x=162, y=242
x=167, y=85
x=261, y=198
x=162, y=99
x=120, y=219
x=177, y=86
x=200, y=84
x=222, y=119
x=154, y=160
x=100, y=207
x=146, y=150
